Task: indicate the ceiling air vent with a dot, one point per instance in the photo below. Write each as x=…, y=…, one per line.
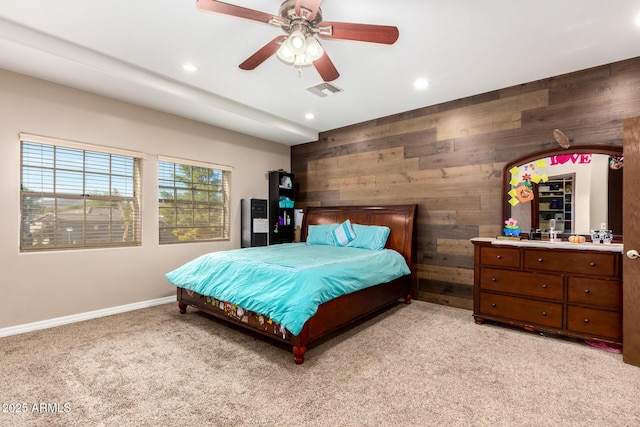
x=324, y=89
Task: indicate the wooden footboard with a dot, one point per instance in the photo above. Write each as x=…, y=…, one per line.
x=347, y=309
x=342, y=311
x=330, y=317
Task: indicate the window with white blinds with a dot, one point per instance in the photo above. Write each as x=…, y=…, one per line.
x=194, y=201
x=78, y=196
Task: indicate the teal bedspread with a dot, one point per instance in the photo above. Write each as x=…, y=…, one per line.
x=287, y=282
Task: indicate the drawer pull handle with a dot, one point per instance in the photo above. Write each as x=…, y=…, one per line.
x=586, y=320
x=544, y=313
x=544, y=286
x=493, y=279
x=586, y=291
x=539, y=259
x=493, y=305
x=592, y=264
x=499, y=257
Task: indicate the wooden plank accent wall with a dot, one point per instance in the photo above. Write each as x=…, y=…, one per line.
x=448, y=158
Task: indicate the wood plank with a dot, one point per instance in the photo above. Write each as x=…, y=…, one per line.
x=479, y=217
x=625, y=67
x=442, y=217
x=339, y=165
x=374, y=194
x=431, y=109
x=447, y=289
x=489, y=230
x=449, y=300
x=317, y=196
x=430, y=148
x=431, y=257
x=470, y=101
x=453, y=202
x=455, y=246
x=447, y=275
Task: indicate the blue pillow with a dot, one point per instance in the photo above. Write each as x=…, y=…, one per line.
x=321, y=234
x=343, y=233
x=370, y=236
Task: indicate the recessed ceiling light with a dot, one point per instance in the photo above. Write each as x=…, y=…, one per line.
x=309, y=116
x=190, y=67
x=421, y=83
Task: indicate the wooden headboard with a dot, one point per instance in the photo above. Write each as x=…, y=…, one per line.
x=399, y=218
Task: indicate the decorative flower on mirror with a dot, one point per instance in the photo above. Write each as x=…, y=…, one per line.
x=524, y=192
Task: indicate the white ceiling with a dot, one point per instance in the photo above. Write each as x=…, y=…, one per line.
x=133, y=50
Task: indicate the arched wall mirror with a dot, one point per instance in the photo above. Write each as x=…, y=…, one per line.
x=579, y=188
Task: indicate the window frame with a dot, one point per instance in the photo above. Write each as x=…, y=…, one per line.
x=106, y=166
x=208, y=197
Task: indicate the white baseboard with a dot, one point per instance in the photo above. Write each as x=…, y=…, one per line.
x=58, y=321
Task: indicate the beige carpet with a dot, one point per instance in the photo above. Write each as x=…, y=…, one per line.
x=415, y=365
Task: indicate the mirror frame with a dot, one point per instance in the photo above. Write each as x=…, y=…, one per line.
x=615, y=150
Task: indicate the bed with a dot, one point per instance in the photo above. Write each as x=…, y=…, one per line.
x=329, y=316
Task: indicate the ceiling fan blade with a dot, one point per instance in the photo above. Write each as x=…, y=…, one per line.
x=238, y=11
x=325, y=68
x=359, y=32
x=262, y=54
x=307, y=9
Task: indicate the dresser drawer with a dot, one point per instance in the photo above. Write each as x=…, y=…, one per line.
x=537, y=285
x=605, y=293
x=595, y=322
x=585, y=262
x=522, y=309
x=500, y=257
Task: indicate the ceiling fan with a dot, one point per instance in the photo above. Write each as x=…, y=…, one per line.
x=301, y=20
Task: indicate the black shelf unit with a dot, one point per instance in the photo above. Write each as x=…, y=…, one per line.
x=281, y=212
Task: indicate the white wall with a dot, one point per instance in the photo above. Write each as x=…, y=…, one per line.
x=40, y=286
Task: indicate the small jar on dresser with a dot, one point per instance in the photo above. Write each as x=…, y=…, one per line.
x=563, y=288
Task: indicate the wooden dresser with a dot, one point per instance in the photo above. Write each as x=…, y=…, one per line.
x=562, y=288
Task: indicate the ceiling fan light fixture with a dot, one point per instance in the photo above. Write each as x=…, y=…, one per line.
x=297, y=42
x=314, y=50
x=300, y=49
x=285, y=54
x=302, y=60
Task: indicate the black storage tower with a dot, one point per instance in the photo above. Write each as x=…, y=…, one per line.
x=255, y=222
x=281, y=213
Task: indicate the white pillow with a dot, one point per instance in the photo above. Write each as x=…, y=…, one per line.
x=343, y=233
